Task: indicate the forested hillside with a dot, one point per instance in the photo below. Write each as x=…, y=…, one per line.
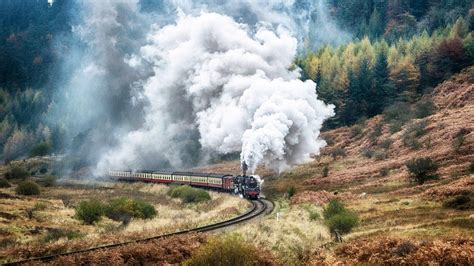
x=400, y=49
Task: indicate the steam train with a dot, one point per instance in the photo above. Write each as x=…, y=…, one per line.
x=247, y=186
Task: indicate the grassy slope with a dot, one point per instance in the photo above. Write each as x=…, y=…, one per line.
x=392, y=206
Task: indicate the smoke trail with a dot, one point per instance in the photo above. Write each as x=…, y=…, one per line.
x=140, y=94
x=308, y=20
x=219, y=87
x=100, y=94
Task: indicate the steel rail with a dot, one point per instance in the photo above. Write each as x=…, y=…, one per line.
x=253, y=212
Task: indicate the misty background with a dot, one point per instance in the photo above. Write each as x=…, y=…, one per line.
x=77, y=76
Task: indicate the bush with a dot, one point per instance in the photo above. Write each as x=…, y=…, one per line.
x=17, y=172
x=399, y=111
x=413, y=132
x=380, y=155
x=424, y=108
x=334, y=207
x=58, y=233
x=89, y=211
x=384, y=171
x=291, y=191
x=460, y=138
x=40, y=149
x=368, y=153
x=356, y=131
x=460, y=202
x=225, y=250
x=386, y=143
x=343, y=222
x=325, y=171
x=48, y=181
x=471, y=168
x=422, y=169
x=27, y=188
x=4, y=183
x=329, y=140
x=337, y=217
x=189, y=194
x=376, y=132
x=123, y=209
x=395, y=126
x=338, y=152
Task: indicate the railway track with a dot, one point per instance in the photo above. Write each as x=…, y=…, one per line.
x=259, y=208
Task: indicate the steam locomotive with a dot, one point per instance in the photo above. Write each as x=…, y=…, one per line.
x=247, y=186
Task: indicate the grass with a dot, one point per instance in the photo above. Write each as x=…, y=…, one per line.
x=50, y=212
x=225, y=250
x=289, y=232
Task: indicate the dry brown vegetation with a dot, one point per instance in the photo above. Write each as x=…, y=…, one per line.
x=171, y=250
x=44, y=224
x=392, y=209
x=401, y=222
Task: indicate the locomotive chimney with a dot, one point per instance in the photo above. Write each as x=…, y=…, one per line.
x=244, y=168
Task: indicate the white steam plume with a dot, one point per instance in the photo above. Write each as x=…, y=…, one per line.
x=217, y=87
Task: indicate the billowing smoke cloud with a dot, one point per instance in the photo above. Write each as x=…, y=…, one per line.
x=136, y=93
x=220, y=87
x=308, y=20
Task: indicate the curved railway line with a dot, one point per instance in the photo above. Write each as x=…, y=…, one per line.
x=259, y=208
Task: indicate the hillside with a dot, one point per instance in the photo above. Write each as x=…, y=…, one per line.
x=394, y=211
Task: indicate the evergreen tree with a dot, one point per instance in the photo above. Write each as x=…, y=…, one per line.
x=376, y=25
x=379, y=95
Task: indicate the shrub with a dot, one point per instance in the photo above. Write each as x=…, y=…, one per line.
x=384, y=171
x=368, y=153
x=413, y=132
x=460, y=202
x=325, y=171
x=376, y=132
x=40, y=149
x=189, y=194
x=356, y=131
x=337, y=217
x=380, y=155
x=4, y=183
x=422, y=169
x=291, y=191
x=123, y=209
x=405, y=248
x=338, y=152
x=459, y=139
x=424, y=108
x=329, y=140
x=58, y=233
x=334, y=207
x=398, y=113
x=471, y=168
x=386, y=143
x=27, y=188
x=17, y=172
x=89, y=211
x=343, y=222
x=395, y=126
x=48, y=181
x=225, y=250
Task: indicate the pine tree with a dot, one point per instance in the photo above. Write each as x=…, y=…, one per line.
x=383, y=89
x=376, y=27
